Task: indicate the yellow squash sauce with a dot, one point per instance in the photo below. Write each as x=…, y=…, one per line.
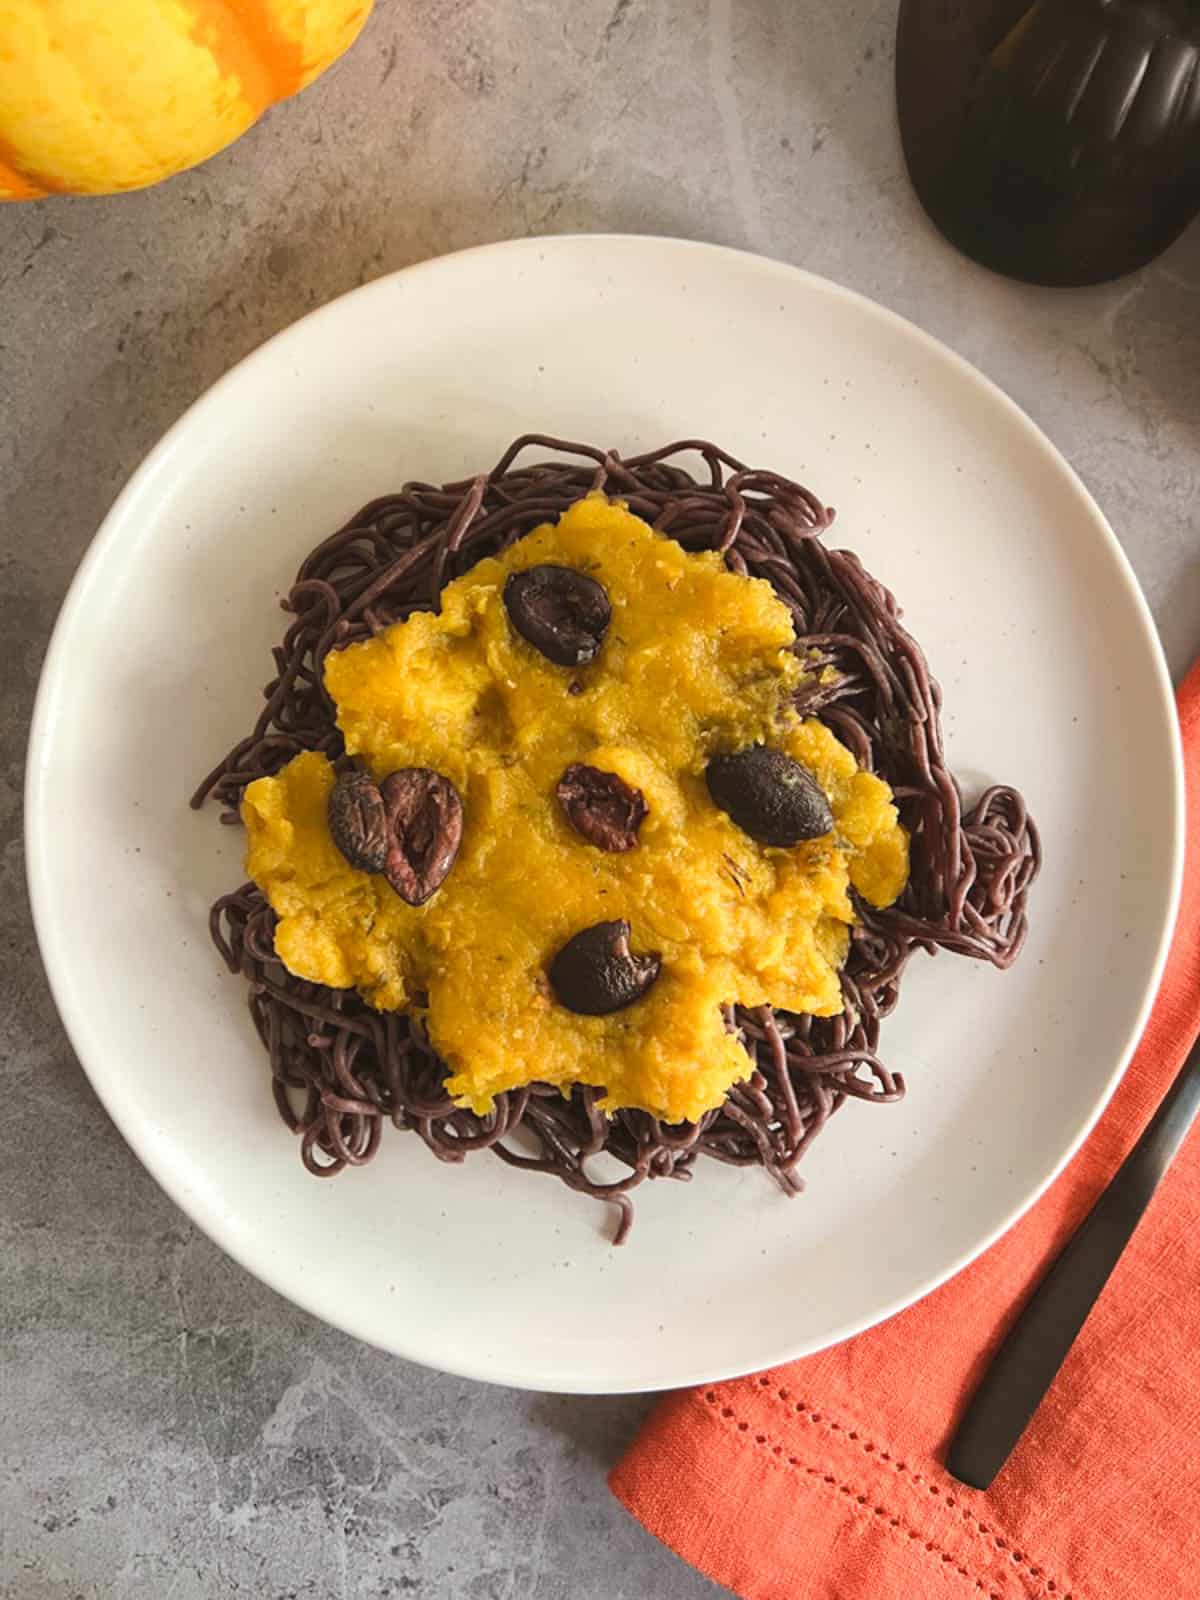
x=697, y=660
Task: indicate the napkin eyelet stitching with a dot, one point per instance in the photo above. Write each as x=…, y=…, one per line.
x=950, y=1500
x=845, y=1489
x=1001, y=1544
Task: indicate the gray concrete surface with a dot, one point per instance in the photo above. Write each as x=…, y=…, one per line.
x=168, y=1427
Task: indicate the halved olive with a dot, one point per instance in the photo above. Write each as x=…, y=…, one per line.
x=561, y=612
x=425, y=824
x=601, y=806
x=596, y=972
x=771, y=797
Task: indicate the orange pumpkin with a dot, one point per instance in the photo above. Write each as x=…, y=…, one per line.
x=97, y=96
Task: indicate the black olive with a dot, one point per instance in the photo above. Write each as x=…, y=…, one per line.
x=771, y=797
x=357, y=821
x=596, y=972
x=425, y=824
x=561, y=612
x=605, y=809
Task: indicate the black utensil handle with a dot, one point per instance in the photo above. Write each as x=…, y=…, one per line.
x=1036, y=1346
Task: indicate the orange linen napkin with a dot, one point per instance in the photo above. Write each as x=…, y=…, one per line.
x=824, y=1480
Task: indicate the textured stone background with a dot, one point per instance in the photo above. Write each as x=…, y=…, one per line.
x=168, y=1426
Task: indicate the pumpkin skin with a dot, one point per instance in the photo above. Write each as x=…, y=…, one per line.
x=98, y=96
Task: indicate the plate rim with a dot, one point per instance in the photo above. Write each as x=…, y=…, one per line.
x=55, y=669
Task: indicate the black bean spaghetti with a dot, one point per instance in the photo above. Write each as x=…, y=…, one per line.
x=341, y=1069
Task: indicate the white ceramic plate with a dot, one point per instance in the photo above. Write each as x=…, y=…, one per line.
x=1010, y=577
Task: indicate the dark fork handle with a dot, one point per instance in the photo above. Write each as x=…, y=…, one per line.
x=1036, y=1345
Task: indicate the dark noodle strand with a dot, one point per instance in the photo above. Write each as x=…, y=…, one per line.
x=341, y=1069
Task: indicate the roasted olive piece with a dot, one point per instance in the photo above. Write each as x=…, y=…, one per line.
x=771, y=797
x=601, y=806
x=561, y=612
x=357, y=820
x=425, y=824
x=596, y=972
